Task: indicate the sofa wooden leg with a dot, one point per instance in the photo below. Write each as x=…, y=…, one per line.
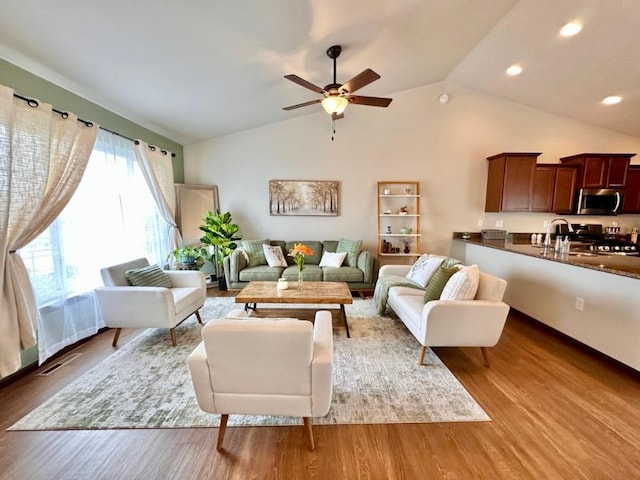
x=221, y=430
x=423, y=351
x=116, y=336
x=197, y=312
x=174, y=340
x=309, y=429
x=485, y=356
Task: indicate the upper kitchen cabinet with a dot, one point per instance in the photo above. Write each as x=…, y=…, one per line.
x=632, y=190
x=553, y=188
x=600, y=170
x=510, y=182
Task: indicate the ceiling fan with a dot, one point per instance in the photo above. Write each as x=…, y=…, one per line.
x=336, y=97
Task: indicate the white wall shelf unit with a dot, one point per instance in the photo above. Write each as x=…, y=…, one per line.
x=398, y=219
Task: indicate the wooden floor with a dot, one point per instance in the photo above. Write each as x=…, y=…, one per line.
x=559, y=411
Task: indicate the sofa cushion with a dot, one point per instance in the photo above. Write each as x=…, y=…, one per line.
x=311, y=273
x=261, y=273
x=313, y=259
x=274, y=255
x=255, y=251
x=352, y=249
x=424, y=268
x=343, y=274
x=332, y=259
x=437, y=283
x=462, y=285
x=151, y=276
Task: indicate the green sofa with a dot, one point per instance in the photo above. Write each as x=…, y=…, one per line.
x=359, y=278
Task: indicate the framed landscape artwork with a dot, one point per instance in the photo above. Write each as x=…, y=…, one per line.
x=300, y=197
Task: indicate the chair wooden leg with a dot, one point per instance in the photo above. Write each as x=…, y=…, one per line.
x=423, y=351
x=174, y=340
x=197, y=312
x=116, y=336
x=221, y=430
x=309, y=430
x=485, y=356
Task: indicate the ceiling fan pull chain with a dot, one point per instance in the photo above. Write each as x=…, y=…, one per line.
x=333, y=128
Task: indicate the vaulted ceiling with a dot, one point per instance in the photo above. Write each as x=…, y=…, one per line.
x=197, y=69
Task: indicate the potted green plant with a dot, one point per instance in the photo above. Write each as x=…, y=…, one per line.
x=187, y=256
x=220, y=232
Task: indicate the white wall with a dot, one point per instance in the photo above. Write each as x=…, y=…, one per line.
x=444, y=147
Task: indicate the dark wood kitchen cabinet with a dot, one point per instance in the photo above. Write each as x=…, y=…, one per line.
x=631, y=202
x=554, y=188
x=510, y=181
x=600, y=170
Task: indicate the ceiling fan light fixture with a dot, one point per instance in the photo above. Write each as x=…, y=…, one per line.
x=334, y=104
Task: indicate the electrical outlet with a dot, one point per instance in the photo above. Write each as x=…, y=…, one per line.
x=480, y=222
x=579, y=303
x=499, y=223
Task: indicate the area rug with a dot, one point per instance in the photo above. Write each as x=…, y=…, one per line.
x=146, y=383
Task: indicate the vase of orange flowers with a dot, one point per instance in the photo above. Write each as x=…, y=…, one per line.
x=298, y=252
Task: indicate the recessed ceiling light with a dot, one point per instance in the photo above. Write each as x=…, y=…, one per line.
x=514, y=70
x=571, y=29
x=612, y=100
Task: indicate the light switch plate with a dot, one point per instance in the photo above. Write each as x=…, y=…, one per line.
x=499, y=223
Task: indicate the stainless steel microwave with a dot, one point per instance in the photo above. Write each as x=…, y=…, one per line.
x=598, y=201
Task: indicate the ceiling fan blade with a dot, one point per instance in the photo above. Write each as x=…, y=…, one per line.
x=302, y=82
x=371, y=101
x=310, y=102
x=359, y=81
x=337, y=116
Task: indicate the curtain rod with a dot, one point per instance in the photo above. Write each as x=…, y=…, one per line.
x=32, y=102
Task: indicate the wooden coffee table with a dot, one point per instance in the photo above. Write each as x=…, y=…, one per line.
x=311, y=292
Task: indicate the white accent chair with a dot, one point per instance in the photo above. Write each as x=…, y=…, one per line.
x=126, y=306
x=451, y=323
x=264, y=366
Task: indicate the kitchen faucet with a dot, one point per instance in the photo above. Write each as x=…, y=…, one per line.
x=547, y=238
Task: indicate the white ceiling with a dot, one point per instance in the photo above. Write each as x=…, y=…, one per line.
x=197, y=69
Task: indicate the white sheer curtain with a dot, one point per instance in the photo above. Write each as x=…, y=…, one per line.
x=157, y=170
x=42, y=158
x=111, y=218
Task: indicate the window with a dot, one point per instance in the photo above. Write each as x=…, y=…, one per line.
x=112, y=217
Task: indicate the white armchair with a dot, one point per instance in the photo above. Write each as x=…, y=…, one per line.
x=126, y=306
x=451, y=323
x=264, y=366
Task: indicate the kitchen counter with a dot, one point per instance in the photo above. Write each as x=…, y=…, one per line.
x=627, y=266
x=591, y=298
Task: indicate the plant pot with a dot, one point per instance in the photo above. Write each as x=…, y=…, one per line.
x=222, y=284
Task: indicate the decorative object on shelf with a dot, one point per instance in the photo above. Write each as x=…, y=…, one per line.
x=282, y=284
x=407, y=244
x=308, y=198
x=388, y=230
x=467, y=236
x=388, y=212
x=408, y=190
x=403, y=210
x=298, y=252
x=386, y=192
x=406, y=230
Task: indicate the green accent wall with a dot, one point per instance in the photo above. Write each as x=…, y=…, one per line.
x=29, y=85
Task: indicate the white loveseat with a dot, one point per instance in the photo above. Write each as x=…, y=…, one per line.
x=446, y=323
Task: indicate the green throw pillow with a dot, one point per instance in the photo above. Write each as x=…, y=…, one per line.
x=151, y=276
x=255, y=251
x=438, y=281
x=351, y=248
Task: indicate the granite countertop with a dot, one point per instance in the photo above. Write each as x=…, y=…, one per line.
x=626, y=266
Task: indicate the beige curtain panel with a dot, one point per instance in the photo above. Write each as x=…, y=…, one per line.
x=157, y=170
x=42, y=158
